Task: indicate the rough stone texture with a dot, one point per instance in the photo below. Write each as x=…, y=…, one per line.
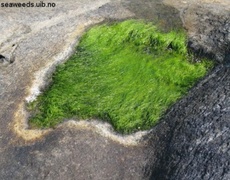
x=190, y=142
x=208, y=26
x=70, y=153
x=197, y=128
x=212, y=37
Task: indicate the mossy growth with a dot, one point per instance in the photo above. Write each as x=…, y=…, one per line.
x=126, y=73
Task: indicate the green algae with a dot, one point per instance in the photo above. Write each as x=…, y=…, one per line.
x=126, y=73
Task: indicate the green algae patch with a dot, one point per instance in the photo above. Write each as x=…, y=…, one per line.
x=126, y=73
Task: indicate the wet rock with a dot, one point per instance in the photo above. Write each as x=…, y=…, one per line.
x=197, y=142
x=213, y=29
x=192, y=140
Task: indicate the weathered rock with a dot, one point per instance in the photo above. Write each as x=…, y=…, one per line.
x=208, y=25
x=194, y=135
x=213, y=29
x=197, y=142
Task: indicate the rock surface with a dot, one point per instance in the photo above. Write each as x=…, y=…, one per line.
x=192, y=140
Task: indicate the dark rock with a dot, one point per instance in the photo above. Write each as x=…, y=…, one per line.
x=198, y=133
x=2, y=58
x=227, y=60
x=209, y=30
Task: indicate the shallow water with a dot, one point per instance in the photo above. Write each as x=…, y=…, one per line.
x=166, y=17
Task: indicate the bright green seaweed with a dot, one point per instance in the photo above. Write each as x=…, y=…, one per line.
x=127, y=73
